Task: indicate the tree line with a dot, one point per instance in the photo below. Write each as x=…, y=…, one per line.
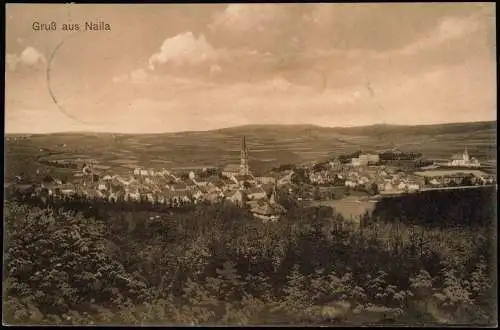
x=216, y=264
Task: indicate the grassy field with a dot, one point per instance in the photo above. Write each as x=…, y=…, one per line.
x=438, y=172
x=350, y=207
x=269, y=145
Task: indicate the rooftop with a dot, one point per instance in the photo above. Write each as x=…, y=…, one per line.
x=231, y=168
x=256, y=190
x=243, y=177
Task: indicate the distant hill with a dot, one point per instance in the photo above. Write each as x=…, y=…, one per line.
x=376, y=129
x=269, y=145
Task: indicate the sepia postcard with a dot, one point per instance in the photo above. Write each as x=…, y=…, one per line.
x=319, y=164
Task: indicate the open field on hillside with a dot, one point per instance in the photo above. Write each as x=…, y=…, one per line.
x=269, y=145
x=351, y=207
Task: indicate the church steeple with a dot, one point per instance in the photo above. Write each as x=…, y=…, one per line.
x=244, y=158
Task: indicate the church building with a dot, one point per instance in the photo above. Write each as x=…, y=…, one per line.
x=459, y=160
x=242, y=169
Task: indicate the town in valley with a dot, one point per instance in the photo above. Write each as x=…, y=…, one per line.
x=359, y=178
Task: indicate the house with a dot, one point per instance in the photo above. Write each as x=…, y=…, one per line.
x=178, y=187
x=373, y=158
x=350, y=183
x=413, y=187
x=164, y=172
x=150, y=197
x=51, y=187
x=434, y=182
x=388, y=186
x=265, y=212
x=402, y=186
x=238, y=197
x=256, y=193
x=268, y=210
x=317, y=177
x=142, y=172
x=287, y=178
x=380, y=184
x=114, y=196
x=240, y=179
x=201, y=183
x=67, y=189
x=357, y=162
x=363, y=180
x=335, y=165
x=133, y=196
x=231, y=170
x=214, y=196
x=365, y=159
x=199, y=195
x=175, y=196
x=265, y=179
x=99, y=194
x=330, y=192
x=90, y=193
x=217, y=185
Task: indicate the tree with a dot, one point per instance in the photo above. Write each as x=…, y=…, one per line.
x=316, y=194
x=296, y=294
x=374, y=189
x=57, y=262
x=300, y=176
x=468, y=180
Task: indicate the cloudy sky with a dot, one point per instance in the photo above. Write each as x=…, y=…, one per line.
x=165, y=68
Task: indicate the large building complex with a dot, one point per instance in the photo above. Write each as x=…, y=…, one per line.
x=463, y=160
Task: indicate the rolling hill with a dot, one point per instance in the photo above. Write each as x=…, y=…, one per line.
x=269, y=145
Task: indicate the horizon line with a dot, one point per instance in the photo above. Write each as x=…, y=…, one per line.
x=248, y=125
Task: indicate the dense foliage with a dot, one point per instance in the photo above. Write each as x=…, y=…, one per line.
x=468, y=207
x=214, y=264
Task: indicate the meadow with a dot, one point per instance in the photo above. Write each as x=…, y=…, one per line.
x=350, y=207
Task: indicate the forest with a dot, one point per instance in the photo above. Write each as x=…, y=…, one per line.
x=470, y=208
x=216, y=264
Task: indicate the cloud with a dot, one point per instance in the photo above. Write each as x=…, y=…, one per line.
x=30, y=57
x=11, y=60
x=215, y=69
x=449, y=28
x=182, y=49
x=137, y=76
x=279, y=84
x=247, y=17
x=259, y=27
